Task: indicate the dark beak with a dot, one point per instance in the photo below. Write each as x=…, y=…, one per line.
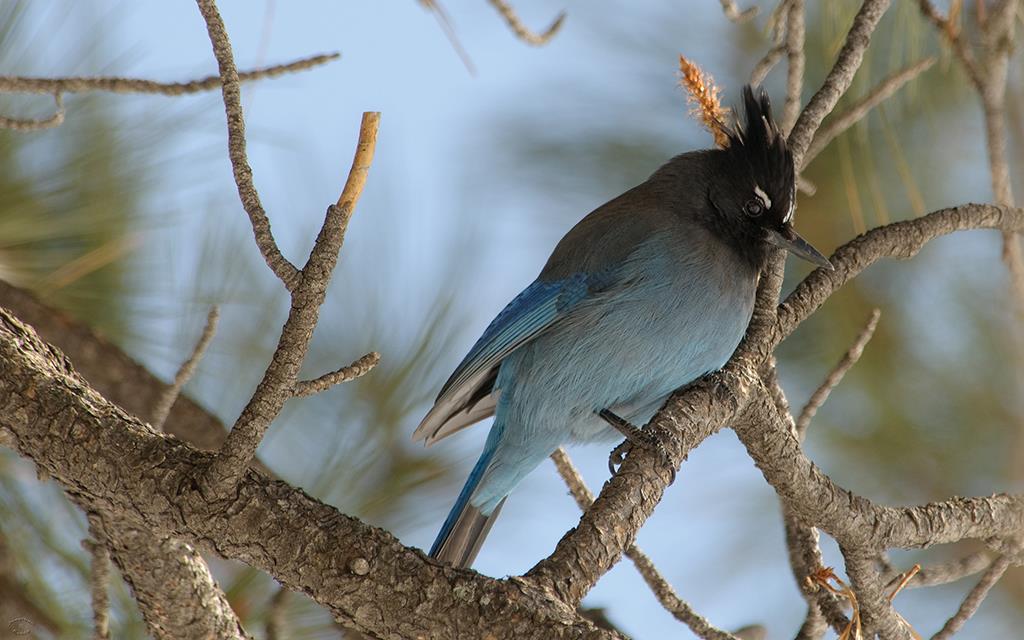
x=787, y=238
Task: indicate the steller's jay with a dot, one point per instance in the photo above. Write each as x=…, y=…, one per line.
x=644, y=295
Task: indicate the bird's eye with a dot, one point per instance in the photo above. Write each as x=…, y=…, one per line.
x=753, y=208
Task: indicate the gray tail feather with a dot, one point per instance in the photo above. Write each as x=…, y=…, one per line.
x=460, y=546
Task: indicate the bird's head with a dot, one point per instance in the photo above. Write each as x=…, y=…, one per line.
x=754, y=193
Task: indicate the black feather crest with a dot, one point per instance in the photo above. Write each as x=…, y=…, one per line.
x=756, y=143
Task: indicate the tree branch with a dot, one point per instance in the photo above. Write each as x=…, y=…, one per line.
x=835, y=376
x=112, y=84
x=21, y=124
x=839, y=78
x=357, y=369
x=186, y=370
x=363, y=575
x=882, y=92
x=662, y=589
x=231, y=91
x=518, y=28
x=974, y=598
x=279, y=379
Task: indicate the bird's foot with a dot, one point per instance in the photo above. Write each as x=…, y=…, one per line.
x=635, y=437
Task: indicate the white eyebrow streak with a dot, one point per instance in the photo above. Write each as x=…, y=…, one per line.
x=759, y=192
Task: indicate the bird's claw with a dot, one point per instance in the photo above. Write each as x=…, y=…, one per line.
x=635, y=437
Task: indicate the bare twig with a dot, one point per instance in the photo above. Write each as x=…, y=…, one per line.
x=733, y=12
x=944, y=573
x=448, y=29
x=885, y=89
x=278, y=383
x=663, y=591
x=795, y=34
x=839, y=78
x=20, y=124
x=360, y=367
x=113, y=84
x=951, y=32
x=518, y=28
x=766, y=64
x=974, y=598
x=835, y=376
x=185, y=372
x=231, y=91
x=99, y=576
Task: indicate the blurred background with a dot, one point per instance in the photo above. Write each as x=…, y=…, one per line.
x=126, y=216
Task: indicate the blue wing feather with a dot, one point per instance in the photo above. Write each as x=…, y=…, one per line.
x=537, y=308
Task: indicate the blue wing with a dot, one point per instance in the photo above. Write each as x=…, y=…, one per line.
x=469, y=394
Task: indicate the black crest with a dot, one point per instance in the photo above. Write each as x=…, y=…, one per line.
x=758, y=148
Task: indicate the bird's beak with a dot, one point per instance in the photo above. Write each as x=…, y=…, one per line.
x=787, y=238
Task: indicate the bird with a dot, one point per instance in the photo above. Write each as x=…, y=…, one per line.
x=644, y=295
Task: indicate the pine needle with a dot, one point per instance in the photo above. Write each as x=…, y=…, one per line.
x=706, y=106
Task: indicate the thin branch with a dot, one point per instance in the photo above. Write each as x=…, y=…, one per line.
x=883, y=91
x=113, y=84
x=20, y=124
x=359, y=368
x=99, y=576
x=835, y=376
x=974, y=598
x=795, y=35
x=185, y=372
x=733, y=12
x=951, y=32
x=448, y=29
x=897, y=240
x=231, y=91
x=518, y=28
x=946, y=572
x=766, y=64
x=279, y=379
x=839, y=78
x=663, y=591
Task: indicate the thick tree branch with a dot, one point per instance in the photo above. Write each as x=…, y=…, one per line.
x=852, y=520
x=112, y=373
x=133, y=474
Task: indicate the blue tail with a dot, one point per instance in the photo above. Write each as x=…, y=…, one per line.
x=466, y=526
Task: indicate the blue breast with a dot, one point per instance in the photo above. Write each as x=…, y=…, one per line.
x=676, y=311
